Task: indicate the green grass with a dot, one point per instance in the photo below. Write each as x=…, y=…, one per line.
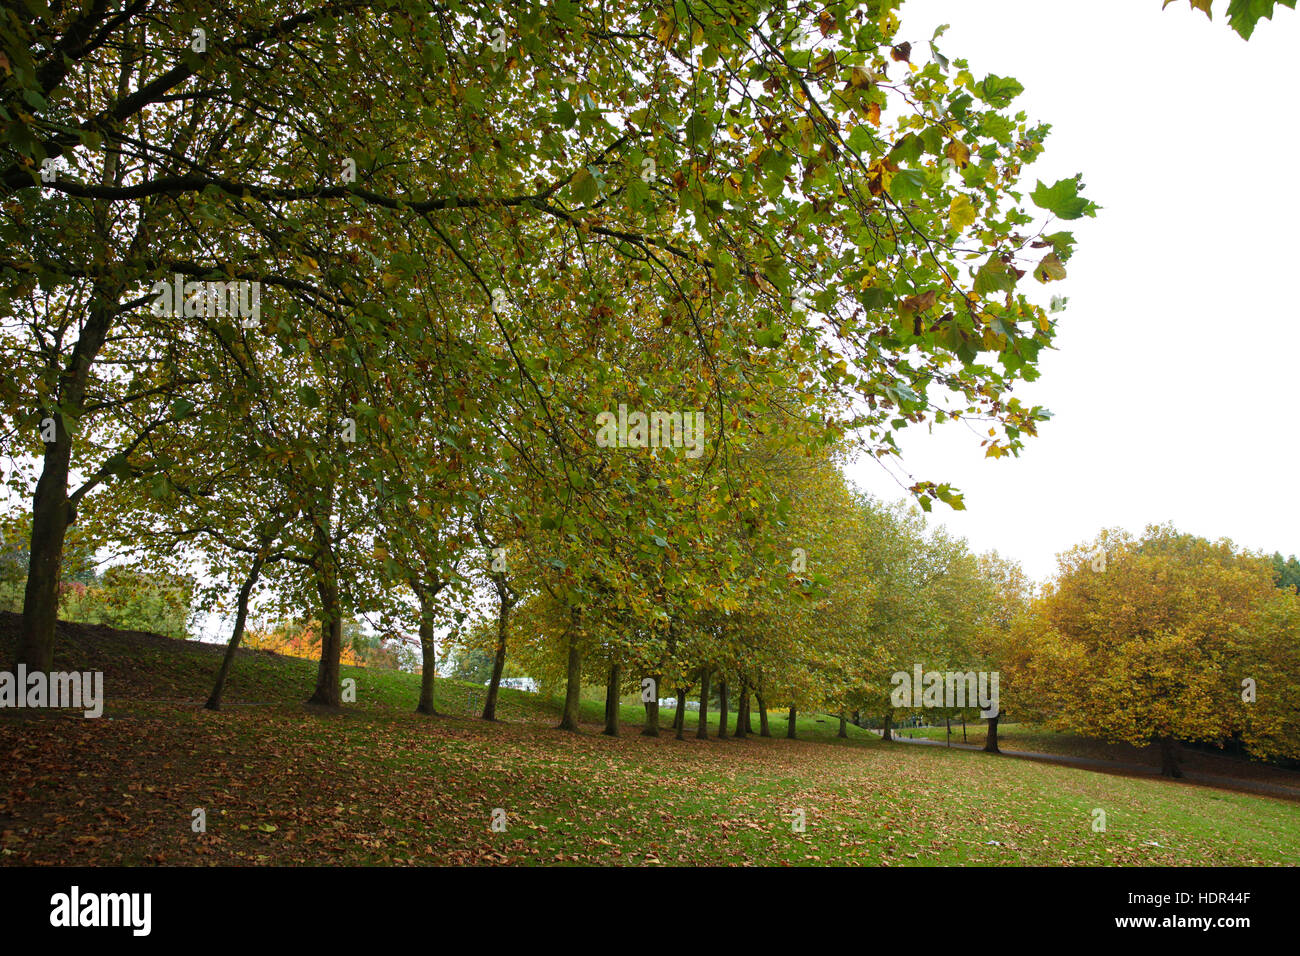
x=377, y=783
x=974, y=733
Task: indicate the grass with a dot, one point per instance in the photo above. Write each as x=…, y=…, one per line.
x=377, y=783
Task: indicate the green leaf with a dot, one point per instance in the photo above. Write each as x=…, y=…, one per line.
x=1063, y=199
x=874, y=298
x=699, y=128
x=908, y=150
x=1243, y=15
x=994, y=276
x=908, y=184
x=585, y=188
x=998, y=91
x=565, y=114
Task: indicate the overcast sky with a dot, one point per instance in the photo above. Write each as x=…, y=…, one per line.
x=1175, y=386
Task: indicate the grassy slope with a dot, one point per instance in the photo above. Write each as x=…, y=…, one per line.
x=377, y=783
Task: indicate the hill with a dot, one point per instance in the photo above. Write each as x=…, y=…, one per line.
x=377, y=783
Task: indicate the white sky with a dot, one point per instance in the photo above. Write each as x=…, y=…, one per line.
x=1174, y=383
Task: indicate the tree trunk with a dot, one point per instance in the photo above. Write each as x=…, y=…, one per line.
x=241, y=615
x=52, y=512
x=702, y=729
x=499, y=662
x=49, y=529
x=328, y=692
x=963, y=728
x=857, y=718
x=844, y=725
x=679, y=719
x=742, y=712
x=887, y=733
x=428, y=669
x=991, y=741
x=651, y=728
x=573, y=687
x=790, y=732
x=722, y=709
x=763, y=729
x=428, y=653
x=611, y=700
x=1169, y=758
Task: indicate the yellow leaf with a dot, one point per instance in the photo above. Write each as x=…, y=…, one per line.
x=1050, y=268
x=667, y=29
x=959, y=153
x=961, y=213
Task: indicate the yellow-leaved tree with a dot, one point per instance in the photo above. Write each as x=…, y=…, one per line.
x=1152, y=641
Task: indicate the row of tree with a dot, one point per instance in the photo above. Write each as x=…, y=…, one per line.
x=324, y=298
x=333, y=308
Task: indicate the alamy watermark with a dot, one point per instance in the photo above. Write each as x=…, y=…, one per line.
x=655, y=430
x=75, y=908
x=80, y=691
x=240, y=298
x=946, y=689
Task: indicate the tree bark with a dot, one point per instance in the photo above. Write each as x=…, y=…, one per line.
x=1169, y=758
x=573, y=686
x=499, y=662
x=428, y=653
x=651, y=728
x=763, y=729
x=236, y=635
x=790, y=732
x=702, y=728
x=844, y=725
x=991, y=740
x=679, y=719
x=428, y=669
x=742, y=712
x=52, y=512
x=49, y=529
x=328, y=692
x=505, y=603
x=722, y=709
x=611, y=700
x=887, y=733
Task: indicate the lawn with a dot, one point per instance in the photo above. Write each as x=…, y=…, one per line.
x=378, y=783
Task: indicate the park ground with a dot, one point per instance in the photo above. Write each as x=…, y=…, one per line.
x=378, y=784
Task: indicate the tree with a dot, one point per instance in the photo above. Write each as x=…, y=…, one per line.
x=1286, y=573
x=1149, y=640
x=1000, y=641
x=785, y=189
